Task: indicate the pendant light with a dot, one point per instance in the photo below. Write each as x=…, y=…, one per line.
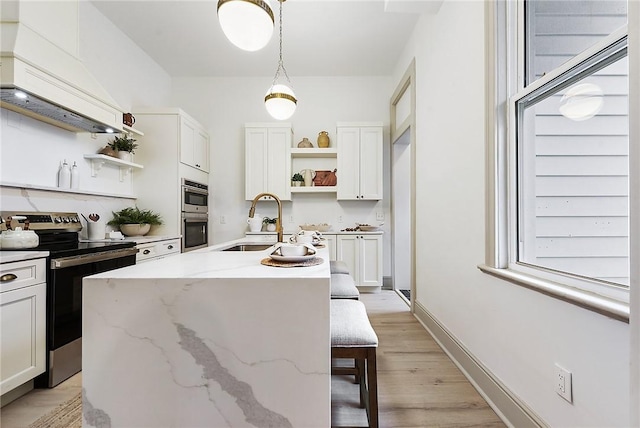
x=248, y=24
x=280, y=100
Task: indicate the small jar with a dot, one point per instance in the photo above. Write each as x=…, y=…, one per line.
x=323, y=139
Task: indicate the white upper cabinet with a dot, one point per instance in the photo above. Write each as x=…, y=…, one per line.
x=360, y=162
x=267, y=160
x=194, y=144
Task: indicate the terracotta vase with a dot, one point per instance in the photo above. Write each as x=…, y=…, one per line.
x=323, y=139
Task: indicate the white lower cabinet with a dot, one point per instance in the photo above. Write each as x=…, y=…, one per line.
x=331, y=245
x=157, y=250
x=23, y=293
x=363, y=256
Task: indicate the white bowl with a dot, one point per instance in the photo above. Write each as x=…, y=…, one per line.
x=292, y=250
x=135, y=229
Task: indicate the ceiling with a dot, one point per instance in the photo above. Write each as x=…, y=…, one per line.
x=320, y=37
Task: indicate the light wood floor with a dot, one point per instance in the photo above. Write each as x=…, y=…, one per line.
x=418, y=386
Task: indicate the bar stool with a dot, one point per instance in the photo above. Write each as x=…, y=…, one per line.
x=338, y=266
x=353, y=337
x=343, y=287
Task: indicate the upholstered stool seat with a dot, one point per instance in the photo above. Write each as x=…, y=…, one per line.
x=343, y=287
x=338, y=266
x=353, y=337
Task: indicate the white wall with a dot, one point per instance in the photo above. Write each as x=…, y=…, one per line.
x=32, y=150
x=224, y=105
x=516, y=333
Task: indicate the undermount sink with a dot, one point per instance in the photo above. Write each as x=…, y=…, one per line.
x=248, y=247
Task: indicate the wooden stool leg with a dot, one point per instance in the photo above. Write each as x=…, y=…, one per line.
x=359, y=365
x=372, y=383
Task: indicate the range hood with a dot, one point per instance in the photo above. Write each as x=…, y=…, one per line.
x=43, y=81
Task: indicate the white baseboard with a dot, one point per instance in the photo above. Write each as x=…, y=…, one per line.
x=513, y=411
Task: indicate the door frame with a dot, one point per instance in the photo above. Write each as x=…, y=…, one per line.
x=406, y=86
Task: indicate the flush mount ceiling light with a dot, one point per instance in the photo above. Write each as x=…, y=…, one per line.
x=248, y=24
x=581, y=102
x=280, y=100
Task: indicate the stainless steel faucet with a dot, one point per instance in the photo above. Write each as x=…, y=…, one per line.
x=252, y=212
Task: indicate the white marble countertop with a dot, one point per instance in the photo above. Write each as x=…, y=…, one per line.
x=210, y=262
x=18, y=256
x=137, y=239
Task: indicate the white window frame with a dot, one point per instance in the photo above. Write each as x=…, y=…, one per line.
x=504, y=21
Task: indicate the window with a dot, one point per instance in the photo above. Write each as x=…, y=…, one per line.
x=560, y=148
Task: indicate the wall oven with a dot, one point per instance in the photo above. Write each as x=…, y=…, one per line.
x=195, y=197
x=195, y=233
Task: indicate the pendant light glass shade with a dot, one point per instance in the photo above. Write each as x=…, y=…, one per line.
x=582, y=102
x=248, y=24
x=280, y=102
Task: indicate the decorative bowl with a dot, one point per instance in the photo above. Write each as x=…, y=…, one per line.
x=322, y=227
x=135, y=229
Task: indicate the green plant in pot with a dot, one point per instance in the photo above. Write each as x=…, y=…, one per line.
x=271, y=223
x=124, y=146
x=297, y=179
x=133, y=221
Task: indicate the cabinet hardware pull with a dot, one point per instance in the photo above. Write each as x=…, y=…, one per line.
x=8, y=277
x=146, y=251
x=170, y=247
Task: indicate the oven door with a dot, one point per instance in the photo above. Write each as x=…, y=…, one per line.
x=194, y=199
x=194, y=231
x=64, y=309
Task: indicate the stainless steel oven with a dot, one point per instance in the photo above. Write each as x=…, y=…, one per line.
x=195, y=197
x=195, y=231
x=68, y=263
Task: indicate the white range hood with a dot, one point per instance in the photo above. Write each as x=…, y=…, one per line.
x=41, y=80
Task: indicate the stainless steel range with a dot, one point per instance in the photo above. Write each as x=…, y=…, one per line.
x=69, y=261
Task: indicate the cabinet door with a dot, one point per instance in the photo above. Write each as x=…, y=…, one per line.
x=348, y=163
x=187, y=142
x=371, y=163
x=278, y=162
x=255, y=162
x=194, y=145
x=347, y=251
x=331, y=245
x=370, y=260
x=201, y=150
x=22, y=338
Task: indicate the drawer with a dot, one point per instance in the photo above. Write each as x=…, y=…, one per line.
x=22, y=274
x=165, y=248
x=158, y=249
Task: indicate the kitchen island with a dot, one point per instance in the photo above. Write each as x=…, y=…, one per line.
x=208, y=338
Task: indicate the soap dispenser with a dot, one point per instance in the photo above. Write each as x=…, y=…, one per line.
x=64, y=176
x=75, y=176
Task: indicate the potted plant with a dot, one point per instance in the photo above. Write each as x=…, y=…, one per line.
x=124, y=147
x=271, y=223
x=133, y=221
x=297, y=179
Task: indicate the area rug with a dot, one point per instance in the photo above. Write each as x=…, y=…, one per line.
x=66, y=415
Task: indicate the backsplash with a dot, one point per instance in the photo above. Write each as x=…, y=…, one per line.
x=17, y=199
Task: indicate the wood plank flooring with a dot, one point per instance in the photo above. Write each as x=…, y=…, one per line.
x=418, y=386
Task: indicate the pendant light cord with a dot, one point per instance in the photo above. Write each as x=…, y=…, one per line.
x=280, y=61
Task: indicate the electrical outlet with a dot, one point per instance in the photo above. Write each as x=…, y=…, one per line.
x=563, y=383
x=380, y=216
x=223, y=220
x=291, y=219
x=339, y=219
